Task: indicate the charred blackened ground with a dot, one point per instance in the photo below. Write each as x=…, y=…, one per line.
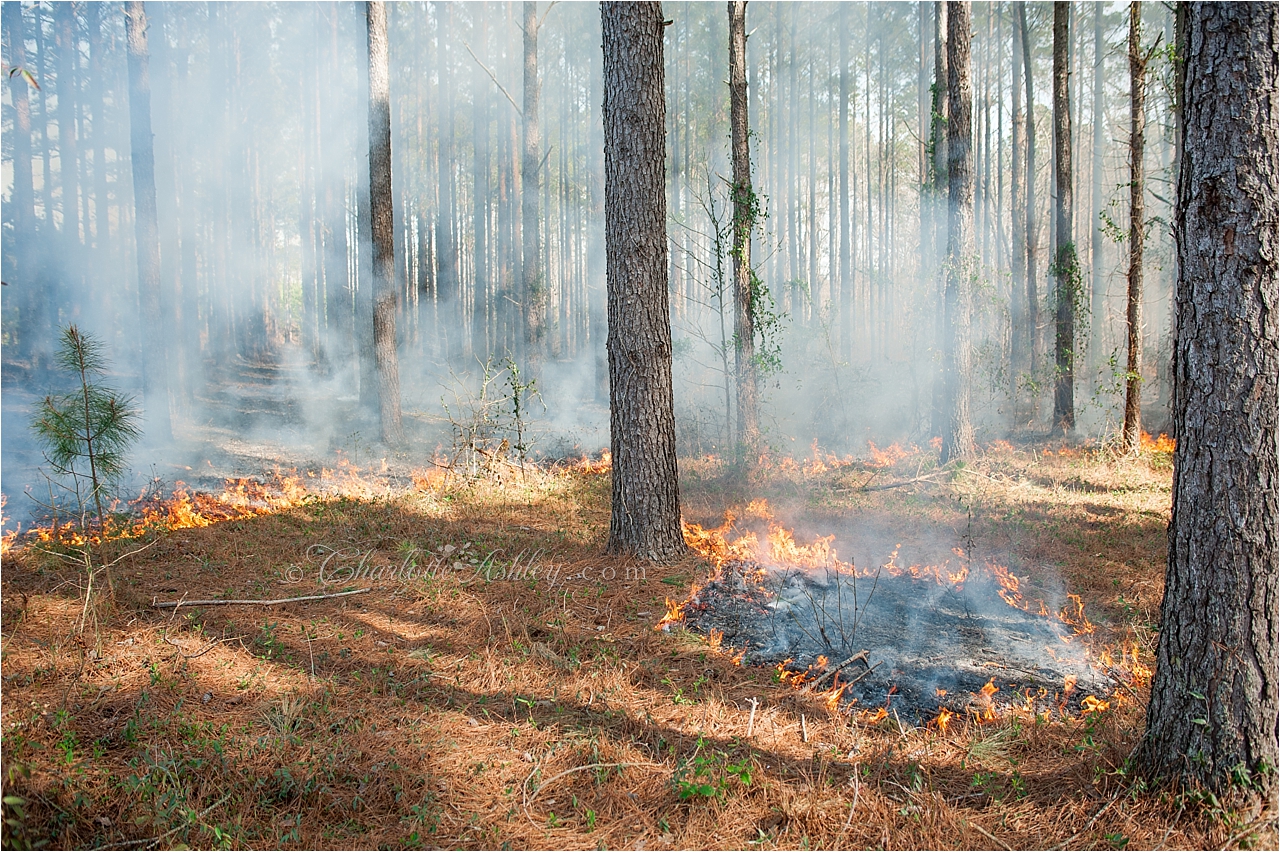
x=919, y=644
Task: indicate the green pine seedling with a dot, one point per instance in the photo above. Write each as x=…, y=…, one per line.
x=87, y=433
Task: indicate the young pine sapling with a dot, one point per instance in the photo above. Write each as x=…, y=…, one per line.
x=87, y=431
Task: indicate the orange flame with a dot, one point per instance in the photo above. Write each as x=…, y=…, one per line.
x=943, y=719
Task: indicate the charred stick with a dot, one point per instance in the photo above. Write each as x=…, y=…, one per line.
x=861, y=655
x=863, y=675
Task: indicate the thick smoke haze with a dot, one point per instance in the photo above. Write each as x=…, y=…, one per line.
x=259, y=114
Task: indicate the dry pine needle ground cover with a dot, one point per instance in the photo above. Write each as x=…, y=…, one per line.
x=541, y=709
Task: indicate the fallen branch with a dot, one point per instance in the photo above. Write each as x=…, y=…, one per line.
x=928, y=477
x=863, y=675
x=527, y=799
x=155, y=840
x=278, y=601
x=206, y=649
x=989, y=836
x=861, y=655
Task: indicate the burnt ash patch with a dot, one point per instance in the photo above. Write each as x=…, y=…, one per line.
x=920, y=636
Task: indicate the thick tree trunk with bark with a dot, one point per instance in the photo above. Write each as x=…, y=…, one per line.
x=645, y=519
x=744, y=213
x=1066, y=264
x=533, y=285
x=381, y=201
x=957, y=439
x=1137, y=229
x=1214, y=700
x=155, y=385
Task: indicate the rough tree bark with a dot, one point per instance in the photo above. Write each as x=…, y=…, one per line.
x=645, y=518
x=957, y=439
x=1214, y=703
x=1137, y=230
x=155, y=385
x=1066, y=265
x=381, y=200
x=533, y=287
x=744, y=215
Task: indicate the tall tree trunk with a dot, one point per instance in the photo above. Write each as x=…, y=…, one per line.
x=597, y=304
x=645, y=518
x=1214, y=700
x=845, y=277
x=1137, y=229
x=1032, y=231
x=46, y=153
x=172, y=283
x=939, y=136
x=1097, y=277
x=957, y=440
x=744, y=214
x=97, y=71
x=533, y=285
x=23, y=197
x=480, y=340
x=381, y=203
x=1018, y=338
x=1066, y=264
x=68, y=157
x=155, y=385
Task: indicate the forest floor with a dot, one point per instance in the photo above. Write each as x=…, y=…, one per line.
x=536, y=706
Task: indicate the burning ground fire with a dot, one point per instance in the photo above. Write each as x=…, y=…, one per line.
x=239, y=498
x=746, y=566
x=185, y=507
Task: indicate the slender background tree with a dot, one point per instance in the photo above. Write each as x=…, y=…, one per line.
x=381, y=202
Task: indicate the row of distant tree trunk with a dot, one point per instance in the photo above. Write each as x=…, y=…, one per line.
x=499, y=241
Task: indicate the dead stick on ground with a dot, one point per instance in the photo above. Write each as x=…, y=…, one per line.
x=1088, y=825
x=861, y=676
x=861, y=655
x=804, y=730
x=926, y=478
x=174, y=604
x=528, y=800
x=170, y=832
x=751, y=723
x=990, y=836
x=206, y=649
